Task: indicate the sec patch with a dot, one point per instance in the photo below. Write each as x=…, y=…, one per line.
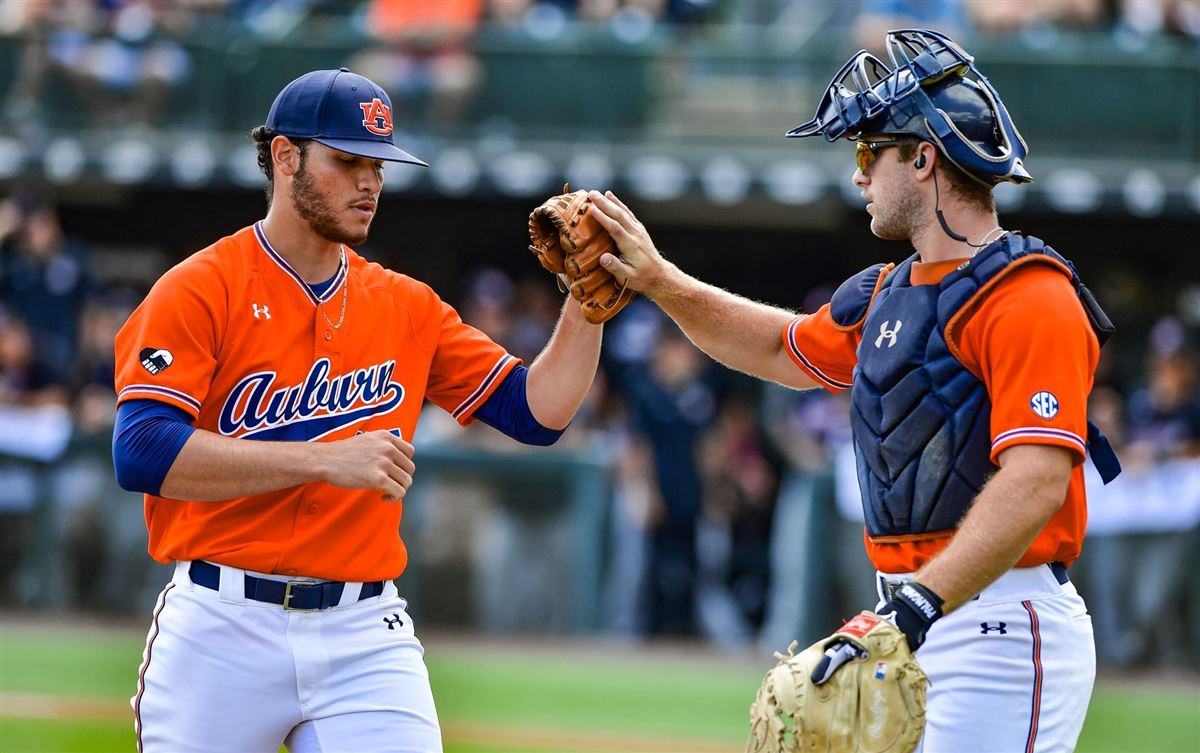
x=1044, y=404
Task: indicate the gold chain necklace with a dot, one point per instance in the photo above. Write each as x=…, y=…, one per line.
x=342, y=316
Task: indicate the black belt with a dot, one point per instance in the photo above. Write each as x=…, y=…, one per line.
x=1060, y=573
x=1058, y=568
x=291, y=595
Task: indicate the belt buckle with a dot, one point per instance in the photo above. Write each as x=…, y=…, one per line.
x=287, y=597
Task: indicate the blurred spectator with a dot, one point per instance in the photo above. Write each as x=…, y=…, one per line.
x=90, y=384
x=628, y=20
x=35, y=427
x=1138, y=19
x=44, y=279
x=1003, y=17
x=120, y=57
x=671, y=405
x=534, y=315
x=879, y=16
x=423, y=56
x=819, y=571
x=1164, y=416
x=273, y=19
x=24, y=379
x=488, y=304
x=733, y=550
x=97, y=546
x=1142, y=547
x=33, y=22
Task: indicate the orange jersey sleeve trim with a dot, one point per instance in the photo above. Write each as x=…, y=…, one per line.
x=465, y=412
x=163, y=394
x=820, y=350
x=1039, y=435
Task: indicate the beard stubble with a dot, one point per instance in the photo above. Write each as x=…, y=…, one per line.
x=313, y=206
x=903, y=218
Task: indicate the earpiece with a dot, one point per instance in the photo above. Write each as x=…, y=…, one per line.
x=920, y=161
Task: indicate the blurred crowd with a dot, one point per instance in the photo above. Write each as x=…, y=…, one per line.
x=732, y=513
x=128, y=62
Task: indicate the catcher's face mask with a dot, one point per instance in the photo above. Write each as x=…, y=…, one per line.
x=933, y=91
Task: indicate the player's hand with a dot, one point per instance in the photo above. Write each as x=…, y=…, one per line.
x=639, y=261
x=371, y=460
x=913, y=609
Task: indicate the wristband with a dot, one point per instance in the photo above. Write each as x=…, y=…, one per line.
x=913, y=608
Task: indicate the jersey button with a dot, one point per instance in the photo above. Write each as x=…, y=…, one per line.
x=313, y=509
x=328, y=335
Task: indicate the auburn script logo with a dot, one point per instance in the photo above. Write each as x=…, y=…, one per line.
x=258, y=408
x=377, y=117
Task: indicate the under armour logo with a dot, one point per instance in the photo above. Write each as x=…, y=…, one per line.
x=392, y=623
x=890, y=334
x=265, y=311
x=987, y=627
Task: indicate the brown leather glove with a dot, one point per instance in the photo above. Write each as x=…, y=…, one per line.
x=568, y=240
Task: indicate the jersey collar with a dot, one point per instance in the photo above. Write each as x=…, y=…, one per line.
x=338, y=279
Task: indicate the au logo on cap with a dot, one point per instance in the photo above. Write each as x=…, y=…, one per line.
x=377, y=117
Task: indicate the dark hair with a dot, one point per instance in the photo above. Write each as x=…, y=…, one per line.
x=262, y=138
x=962, y=185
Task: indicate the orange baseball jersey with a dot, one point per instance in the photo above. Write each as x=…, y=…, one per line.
x=234, y=336
x=1025, y=336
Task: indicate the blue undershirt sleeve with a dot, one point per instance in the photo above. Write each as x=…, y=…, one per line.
x=507, y=411
x=146, y=440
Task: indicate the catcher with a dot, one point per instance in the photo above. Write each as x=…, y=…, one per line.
x=969, y=366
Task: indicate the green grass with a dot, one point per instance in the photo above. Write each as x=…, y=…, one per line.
x=668, y=698
x=1140, y=720
x=639, y=696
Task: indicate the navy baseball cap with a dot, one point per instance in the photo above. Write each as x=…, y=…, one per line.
x=343, y=111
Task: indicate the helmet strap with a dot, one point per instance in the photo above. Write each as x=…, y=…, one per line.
x=937, y=209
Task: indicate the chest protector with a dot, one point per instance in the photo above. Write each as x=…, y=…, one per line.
x=920, y=419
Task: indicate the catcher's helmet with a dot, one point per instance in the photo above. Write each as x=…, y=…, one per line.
x=932, y=91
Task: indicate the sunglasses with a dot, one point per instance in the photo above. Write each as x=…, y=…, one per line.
x=866, y=152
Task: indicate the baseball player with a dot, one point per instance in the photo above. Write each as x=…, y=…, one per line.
x=969, y=366
x=282, y=623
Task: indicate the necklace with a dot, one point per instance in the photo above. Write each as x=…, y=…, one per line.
x=983, y=242
x=341, y=316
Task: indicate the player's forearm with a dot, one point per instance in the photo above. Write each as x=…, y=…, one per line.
x=1010, y=511
x=212, y=468
x=742, y=334
x=561, y=375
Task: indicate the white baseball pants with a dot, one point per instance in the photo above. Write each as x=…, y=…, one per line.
x=222, y=673
x=1011, y=671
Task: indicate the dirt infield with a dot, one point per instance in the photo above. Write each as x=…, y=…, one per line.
x=42, y=706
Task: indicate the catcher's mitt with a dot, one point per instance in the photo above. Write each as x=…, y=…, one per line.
x=875, y=703
x=568, y=241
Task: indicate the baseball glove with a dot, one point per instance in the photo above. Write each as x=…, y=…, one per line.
x=568, y=240
x=874, y=703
